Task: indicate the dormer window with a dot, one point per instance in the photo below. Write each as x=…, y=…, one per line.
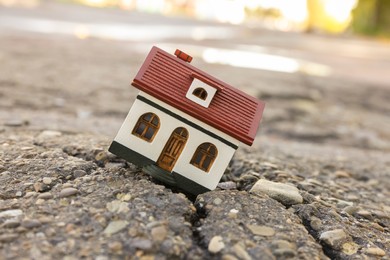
x=200, y=93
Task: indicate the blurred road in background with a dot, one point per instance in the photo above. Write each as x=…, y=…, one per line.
x=359, y=59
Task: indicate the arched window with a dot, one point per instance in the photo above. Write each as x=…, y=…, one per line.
x=147, y=127
x=204, y=156
x=200, y=93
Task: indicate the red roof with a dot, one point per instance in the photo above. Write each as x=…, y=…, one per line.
x=168, y=78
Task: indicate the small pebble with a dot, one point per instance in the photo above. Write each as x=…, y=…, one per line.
x=233, y=213
x=217, y=201
x=8, y=237
x=132, y=232
x=117, y=206
x=41, y=187
x=342, y=174
x=159, y=233
x=228, y=257
x=45, y=196
x=11, y=223
x=377, y=226
x=349, y=248
x=228, y=185
x=67, y=185
x=284, y=193
x=115, y=226
x=14, y=122
x=101, y=156
x=30, y=194
x=10, y=213
x=351, y=209
x=112, y=165
x=283, y=253
x=49, y=134
x=47, y=180
x=261, y=230
x=70, y=227
x=101, y=257
x=68, y=192
x=26, y=148
x=365, y=214
x=333, y=237
x=115, y=246
x=282, y=244
x=4, y=173
x=240, y=251
x=40, y=202
x=352, y=197
x=143, y=244
x=216, y=244
x=376, y=251
x=79, y=173
x=315, y=223
x=45, y=219
x=31, y=223
x=344, y=203
x=126, y=197
x=269, y=165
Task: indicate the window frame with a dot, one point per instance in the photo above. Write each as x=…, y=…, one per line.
x=204, y=151
x=211, y=91
x=148, y=124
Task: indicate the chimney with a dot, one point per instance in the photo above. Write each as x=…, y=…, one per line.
x=183, y=56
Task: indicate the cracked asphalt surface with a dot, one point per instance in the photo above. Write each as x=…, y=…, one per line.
x=62, y=195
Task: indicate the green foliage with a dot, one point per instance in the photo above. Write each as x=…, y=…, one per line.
x=372, y=17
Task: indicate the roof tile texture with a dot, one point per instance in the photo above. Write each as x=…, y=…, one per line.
x=168, y=79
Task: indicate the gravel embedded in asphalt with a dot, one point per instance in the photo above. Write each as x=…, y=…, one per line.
x=62, y=194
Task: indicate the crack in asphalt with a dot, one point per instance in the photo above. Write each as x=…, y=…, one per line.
x=194, y=219
x=329, y=252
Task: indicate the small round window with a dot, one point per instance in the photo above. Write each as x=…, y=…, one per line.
x=200, y=93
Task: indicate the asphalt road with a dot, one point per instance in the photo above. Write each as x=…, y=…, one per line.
x=325, y=130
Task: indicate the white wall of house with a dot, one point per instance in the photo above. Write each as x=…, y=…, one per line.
x=167, y=125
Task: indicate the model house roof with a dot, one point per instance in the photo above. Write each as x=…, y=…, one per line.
x=168, y=78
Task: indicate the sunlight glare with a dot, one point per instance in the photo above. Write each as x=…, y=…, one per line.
x=81, y=32
x=295, y=11
x=252, y=60
x=340, y=10
x=223, y=11
x=255, y=59
x=96, y=3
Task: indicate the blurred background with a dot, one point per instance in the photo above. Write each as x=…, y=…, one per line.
x=322, y=66
x=371, y=17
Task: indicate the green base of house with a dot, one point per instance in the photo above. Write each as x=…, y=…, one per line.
x=129, y=155
x=148, y=166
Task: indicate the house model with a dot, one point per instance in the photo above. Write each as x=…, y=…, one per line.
x=185, y=125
